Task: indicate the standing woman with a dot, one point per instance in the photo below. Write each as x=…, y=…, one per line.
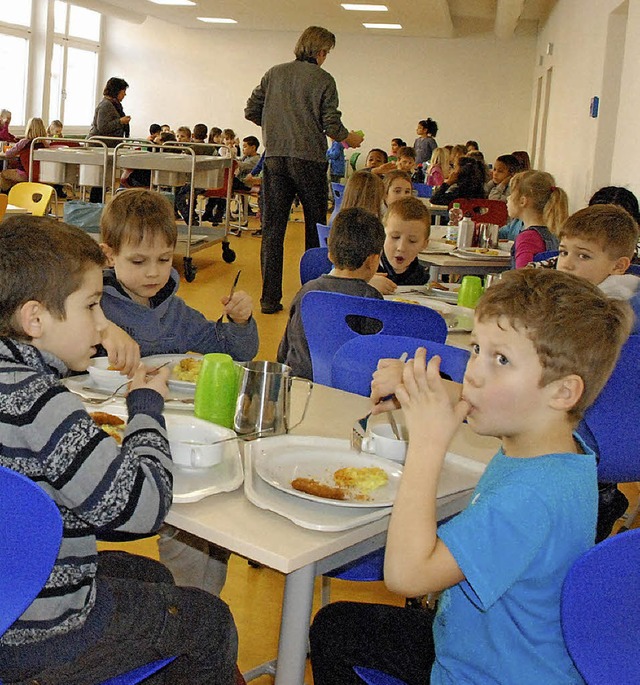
x=109, y=118
x=296, y=103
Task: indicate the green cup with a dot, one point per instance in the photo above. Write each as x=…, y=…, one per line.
x=470, y=291
x=217, y=389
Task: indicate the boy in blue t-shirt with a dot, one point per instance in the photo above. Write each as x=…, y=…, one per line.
x=502, y=561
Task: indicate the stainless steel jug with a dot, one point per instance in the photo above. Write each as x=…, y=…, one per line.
x=264, y=399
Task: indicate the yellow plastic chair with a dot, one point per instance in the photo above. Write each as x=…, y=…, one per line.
x=4, y=200
x=36, y=197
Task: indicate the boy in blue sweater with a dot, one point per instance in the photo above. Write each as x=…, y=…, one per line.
x=138, y=234
x=98, y=615
x=502, y=561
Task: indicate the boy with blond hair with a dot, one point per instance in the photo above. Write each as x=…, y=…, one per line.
x=407, y=226
x=598, y=243
x=502, y=561
x=98, y=615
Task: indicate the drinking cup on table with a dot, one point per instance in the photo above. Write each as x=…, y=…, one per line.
x=216, y=389
x=490, y=279
x=470, y=291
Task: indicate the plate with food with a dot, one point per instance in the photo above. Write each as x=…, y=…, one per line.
x=481, y=253
x=340, y=477
x=184, y=369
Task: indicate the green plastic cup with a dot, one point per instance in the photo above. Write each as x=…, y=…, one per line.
x=217, y=389
x=470, y=291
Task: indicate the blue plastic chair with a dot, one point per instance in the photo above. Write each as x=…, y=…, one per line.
x=338, y=191
x=323, y=234
x=355, y=362
x=30, y=536
x=541, y=256
x=599, y=611
x=610, y=425
x=373, y=677
x=634, y=269
x=326, y=315
x=423, y=190
x=314, y=263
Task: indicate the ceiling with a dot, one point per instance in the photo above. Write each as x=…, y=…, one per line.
x=426, y=18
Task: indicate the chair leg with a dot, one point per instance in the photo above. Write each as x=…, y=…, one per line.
x=325, y=591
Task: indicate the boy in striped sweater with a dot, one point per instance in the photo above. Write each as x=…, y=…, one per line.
x=98, y=615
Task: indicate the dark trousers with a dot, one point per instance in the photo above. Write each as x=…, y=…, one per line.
x=147, y=618
x=283, y=179
x=391, y=639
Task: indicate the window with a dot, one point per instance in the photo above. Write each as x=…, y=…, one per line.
x=15, y=22
x=74, y=64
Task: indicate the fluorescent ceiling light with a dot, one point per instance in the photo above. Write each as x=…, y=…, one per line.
x=382, y=26
x=365, y=8
x=173, y=2
x=217, y=20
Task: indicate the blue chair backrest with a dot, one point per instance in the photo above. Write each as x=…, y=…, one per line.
x=355, y=362
x=423, y=190
x=326, y=315
x=314, y=263
x=541, y=256
x=30, y=536
x=599, y=611
x=323, y=234
x=611, y=425
x=338, y=191
x=634, y=269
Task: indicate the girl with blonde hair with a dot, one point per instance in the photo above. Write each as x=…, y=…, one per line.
x=438, y=167
x=19, y=156
x=364, y=190
x=542, y=207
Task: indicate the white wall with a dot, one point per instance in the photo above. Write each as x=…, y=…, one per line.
x=473, y=87
x=578, y=31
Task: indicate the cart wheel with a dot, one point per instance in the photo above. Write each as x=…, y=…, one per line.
x=228, y=254
x=189, y=270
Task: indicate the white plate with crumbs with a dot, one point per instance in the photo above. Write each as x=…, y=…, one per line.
x=184, y=369
x=316, y=464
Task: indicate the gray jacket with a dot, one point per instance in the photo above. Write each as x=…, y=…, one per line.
x=296, y=104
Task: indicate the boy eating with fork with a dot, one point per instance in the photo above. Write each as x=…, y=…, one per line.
x=501, y=562
x=138, y=236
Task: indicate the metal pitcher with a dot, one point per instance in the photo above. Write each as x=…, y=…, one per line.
x=264, y=399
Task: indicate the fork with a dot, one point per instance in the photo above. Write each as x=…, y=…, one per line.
x=233, y=289
x=99, y=401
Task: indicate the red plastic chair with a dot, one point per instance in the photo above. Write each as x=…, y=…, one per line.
x=484, y=211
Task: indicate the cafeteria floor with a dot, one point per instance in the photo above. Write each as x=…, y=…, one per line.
x=255, y=594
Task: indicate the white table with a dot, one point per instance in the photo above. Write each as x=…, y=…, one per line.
x=231, y=521
x=445, y=263
x=14, y=209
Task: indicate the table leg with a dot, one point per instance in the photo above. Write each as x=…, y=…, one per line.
x=294, y=626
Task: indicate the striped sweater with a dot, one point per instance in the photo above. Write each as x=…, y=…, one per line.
x=101, y=489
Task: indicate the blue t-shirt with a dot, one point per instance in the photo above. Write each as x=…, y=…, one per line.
x=527, y=522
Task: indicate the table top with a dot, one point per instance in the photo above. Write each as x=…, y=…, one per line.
x=14, y=209
x=231, y=521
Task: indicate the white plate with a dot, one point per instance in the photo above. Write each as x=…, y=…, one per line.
x=448, y=295
x=319, y=462
x=469, y=253
x=174, y=384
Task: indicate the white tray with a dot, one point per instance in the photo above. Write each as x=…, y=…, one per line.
x=302, y=512
x=459, y=476
x=193, y=485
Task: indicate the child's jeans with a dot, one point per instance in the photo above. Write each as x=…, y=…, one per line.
x=147, y=618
